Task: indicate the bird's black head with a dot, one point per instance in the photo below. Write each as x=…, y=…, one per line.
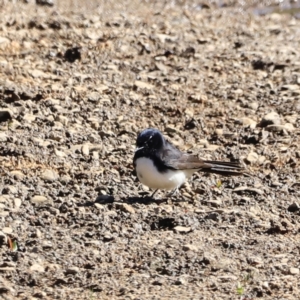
x=150, y=139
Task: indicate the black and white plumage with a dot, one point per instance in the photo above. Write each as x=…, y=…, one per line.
x=160, y=165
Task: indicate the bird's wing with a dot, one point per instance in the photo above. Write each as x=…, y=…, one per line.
x=177, y=160
x=185, y=161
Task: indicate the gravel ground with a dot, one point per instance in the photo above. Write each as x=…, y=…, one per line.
x=78, y=84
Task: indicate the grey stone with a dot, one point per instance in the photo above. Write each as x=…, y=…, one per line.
x=182, y=229
x=271, y=118
x=41, y=200
x=3, y=137
x=126, y=208
x=252, y=157
x=37, y=267
x=294, y=207
x=85, y=150
x=49, y=175
x=294, y=271
x=72, y=270
x=94, y=96
x=190, y=247
x=17, y=174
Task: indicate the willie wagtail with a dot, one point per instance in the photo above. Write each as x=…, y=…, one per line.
x=160, y=165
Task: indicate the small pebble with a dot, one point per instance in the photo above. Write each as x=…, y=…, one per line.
x=126, y=208
x=190, y=247
x=271, y=118
x=294, y=207
x=49, y=175
x=72, y=270
x=252, y=157
x=41, y=200
x=294, y=271
x=182, y=229
x=37, y=267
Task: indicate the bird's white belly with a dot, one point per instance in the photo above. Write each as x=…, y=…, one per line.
x=148, y=175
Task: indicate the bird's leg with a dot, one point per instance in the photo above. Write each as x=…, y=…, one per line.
x=172, y=192
x=154, y=193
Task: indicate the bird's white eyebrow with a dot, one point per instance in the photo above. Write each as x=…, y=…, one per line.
x=137, y=149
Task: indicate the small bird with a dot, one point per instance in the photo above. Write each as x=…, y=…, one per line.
x=160, y=165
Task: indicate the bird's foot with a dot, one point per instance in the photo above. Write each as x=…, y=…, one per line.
x=172, y=193
x=154, y=193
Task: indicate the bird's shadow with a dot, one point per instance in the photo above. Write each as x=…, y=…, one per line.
x=143, y=200
x=109, y=199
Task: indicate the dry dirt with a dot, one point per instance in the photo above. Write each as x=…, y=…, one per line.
x=78, y=81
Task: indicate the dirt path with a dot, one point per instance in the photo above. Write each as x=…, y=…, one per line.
x=77, y=85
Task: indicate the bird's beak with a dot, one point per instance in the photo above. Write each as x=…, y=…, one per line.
x=137, y=149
